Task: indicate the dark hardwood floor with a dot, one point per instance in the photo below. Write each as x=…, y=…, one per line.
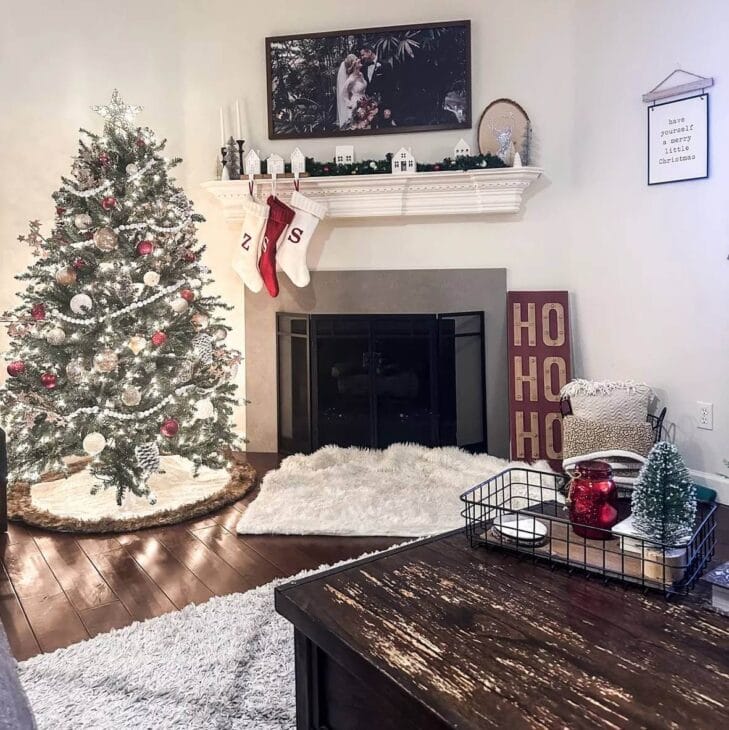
x=57, y=589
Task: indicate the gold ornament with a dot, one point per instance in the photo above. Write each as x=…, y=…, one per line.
x=199, y=320
x=66, y=277
x=105, y=361
x=131, y=396
x=137, y=344
x=105, y=239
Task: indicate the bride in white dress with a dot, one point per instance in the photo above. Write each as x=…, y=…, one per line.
x=351, y=87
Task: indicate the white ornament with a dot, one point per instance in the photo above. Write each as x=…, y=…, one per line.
x=220, y=334
x=204, y=409
x=56, y=336
x=94, y=443
x=131, y=169
x=151, y=278
x=179, y=305
x=82, y=221
x=81, y=303
x=195, y=283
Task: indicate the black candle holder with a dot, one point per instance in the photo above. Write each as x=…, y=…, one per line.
x=240, y=143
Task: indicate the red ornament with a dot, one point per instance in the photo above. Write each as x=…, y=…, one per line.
x=79, y=264
x=169, y=428
x=139, y=142
x=144, y=248
x=188, y=295
x=60, y=210
x=325, y=168
x=189, y=256
x=15, y=368
x=49, y=381
x=159, y=338
x=108, y=202
x=104, y=158
x=38, y=312
x=593, y=500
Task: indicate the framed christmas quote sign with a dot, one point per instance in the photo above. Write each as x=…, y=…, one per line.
x=678, y=140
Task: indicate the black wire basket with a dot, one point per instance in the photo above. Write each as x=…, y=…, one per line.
x=523, y=511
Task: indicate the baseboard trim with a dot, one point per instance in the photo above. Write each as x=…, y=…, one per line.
x=714, y=481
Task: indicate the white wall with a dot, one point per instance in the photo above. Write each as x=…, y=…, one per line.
x=649, y=266
x=578, y=69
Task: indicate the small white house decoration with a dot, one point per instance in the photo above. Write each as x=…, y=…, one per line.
x=344, y=154
x=462, y=149
x=298, y=162
x=403, y=161
x=275, y=164
x=252, y=163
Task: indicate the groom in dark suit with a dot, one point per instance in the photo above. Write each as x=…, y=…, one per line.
x=378, y=86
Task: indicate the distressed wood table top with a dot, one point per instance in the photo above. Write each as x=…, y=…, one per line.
x=483, y=639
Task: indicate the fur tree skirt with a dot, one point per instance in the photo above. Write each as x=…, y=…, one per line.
x=67, y=505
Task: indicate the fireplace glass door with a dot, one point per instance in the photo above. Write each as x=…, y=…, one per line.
x=375, y=380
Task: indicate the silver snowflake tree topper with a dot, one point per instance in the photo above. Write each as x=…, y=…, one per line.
x=116, y=112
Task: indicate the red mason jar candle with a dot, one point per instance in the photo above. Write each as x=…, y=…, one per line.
x=593, y=500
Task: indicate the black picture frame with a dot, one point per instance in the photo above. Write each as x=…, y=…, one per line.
x=450, y=39
x=650, y=111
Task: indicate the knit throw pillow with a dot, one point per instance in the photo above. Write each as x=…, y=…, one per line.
x=586, y=436
x=609, y=400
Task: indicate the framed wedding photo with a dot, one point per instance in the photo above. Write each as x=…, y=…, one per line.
x=405, y=78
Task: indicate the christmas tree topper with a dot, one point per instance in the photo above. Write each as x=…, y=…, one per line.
x=116, y=112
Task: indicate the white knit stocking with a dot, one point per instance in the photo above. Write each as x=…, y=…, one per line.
x=291, y=254
x=245, y=261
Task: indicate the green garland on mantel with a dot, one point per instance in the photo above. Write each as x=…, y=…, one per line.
x=379, y=167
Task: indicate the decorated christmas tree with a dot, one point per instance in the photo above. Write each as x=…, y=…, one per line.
x=664, y=499
x=115, y=350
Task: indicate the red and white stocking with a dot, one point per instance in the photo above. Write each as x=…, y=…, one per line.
x=292, y=249
x=245, y=262
x=279, y=216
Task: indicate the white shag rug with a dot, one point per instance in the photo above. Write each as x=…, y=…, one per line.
x=173, y=487
x=404, y=490
x=226, y=663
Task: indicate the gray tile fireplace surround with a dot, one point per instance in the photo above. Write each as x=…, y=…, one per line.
x=376, y=292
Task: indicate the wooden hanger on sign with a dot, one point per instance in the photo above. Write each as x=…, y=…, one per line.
x=661, y=91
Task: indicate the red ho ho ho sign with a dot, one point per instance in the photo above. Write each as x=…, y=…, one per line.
x=539, y=365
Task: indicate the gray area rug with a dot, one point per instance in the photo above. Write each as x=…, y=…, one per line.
x=226, y=663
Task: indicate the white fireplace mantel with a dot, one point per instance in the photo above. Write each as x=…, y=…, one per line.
x=363, y=196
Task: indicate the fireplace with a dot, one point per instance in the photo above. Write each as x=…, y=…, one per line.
x=372, y=380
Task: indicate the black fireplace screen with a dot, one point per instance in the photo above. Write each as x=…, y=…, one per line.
x=375, y=380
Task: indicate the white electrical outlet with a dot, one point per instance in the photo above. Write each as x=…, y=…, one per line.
x=705, y=415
